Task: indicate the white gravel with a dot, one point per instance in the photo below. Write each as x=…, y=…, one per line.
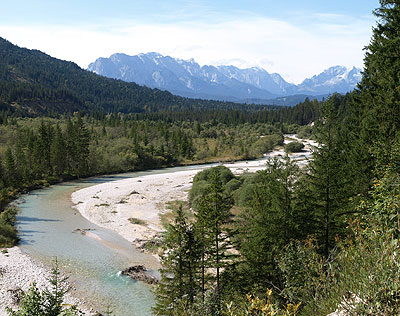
x=111, y=204
x=19, y=271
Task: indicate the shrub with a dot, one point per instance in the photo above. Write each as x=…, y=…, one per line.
x=224, y=174
x=305, y=132
x=8, y=233
x=294, y=147
x=259, y=307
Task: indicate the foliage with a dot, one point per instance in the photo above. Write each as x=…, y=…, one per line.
x=363, y=278
x=180, y=260
x=267, y=224
x=379, y=97
x=328, y=187
x=303, y=270
x=49, y=302
x=294, y=147
x=305, y=132
x=259, y=307
x=8, y=233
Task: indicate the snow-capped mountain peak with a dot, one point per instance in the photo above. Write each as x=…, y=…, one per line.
x=188, y=78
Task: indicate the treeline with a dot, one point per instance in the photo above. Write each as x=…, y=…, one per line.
x=327, y=236
x=302, y=114
x=35, y=152
x=39, y=84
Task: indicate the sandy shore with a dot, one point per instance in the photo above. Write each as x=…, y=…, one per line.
x=17, y=272
x=132, y=207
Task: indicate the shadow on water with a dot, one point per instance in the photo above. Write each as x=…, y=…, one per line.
x=22, y=219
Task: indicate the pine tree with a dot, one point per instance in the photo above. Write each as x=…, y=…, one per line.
x=11, y=172
x=179, y=285
x=268, y=223
x=2, y=174
x=58, y=152
x=82, y=141
x=49, y=302
x=43, y=146
x=329, y=181
x=213, y=212
x=380, y=85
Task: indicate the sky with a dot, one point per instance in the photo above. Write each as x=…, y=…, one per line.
x=295, y=38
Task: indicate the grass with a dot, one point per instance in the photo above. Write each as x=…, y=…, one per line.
x=102, y=204
x=152, y=246
x=137, y=221
x=168, y=217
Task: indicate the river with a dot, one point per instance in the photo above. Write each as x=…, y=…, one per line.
x=47, y=221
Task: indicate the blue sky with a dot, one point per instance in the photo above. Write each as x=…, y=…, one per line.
x=294, y=38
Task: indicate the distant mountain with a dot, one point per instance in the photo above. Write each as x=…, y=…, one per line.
x=187, y=78
x=34, y=83
x=335, y=79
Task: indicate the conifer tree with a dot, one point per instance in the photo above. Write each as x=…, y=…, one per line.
x=380, y=85
x=11, y=172
x=179, y=285
x=2, y=174
x=58, y=152
x=44, y=143
x=212, y=216
x=329, y=194
x=268, y=223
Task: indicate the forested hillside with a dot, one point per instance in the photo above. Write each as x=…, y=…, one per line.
x=34, y=83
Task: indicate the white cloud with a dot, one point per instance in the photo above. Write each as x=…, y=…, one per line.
x=293, y=51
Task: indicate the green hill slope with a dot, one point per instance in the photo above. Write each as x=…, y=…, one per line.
x=34, y=83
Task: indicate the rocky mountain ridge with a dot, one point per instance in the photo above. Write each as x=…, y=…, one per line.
x=229, y=83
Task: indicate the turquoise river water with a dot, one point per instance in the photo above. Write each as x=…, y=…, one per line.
x=46, y=223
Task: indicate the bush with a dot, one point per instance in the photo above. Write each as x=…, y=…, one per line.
x=294, y=147
x=198, y=188
x=305, y=132
x=8, y=233
x=259, y=307
x=7, y=217
x=232, y=186
x=224, y=174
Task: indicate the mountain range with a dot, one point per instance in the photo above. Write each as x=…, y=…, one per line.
x=33, y=83
x=228, y=83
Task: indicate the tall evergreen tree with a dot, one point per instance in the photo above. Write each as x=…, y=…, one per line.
x=380, y=85
x=179, y=284
x=329, y=193
x=267, y=224
x=58, y=152
x=11, y=172
x=44, y=141
x=212, y=216
x=2, y=174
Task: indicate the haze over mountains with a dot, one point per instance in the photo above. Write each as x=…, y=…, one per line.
x=229, y=83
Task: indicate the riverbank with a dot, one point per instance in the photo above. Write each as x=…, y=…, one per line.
x=17, y=272
x=132, y=207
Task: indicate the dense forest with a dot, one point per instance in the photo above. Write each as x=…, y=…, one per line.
x=32, y=82
x=302, y=241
